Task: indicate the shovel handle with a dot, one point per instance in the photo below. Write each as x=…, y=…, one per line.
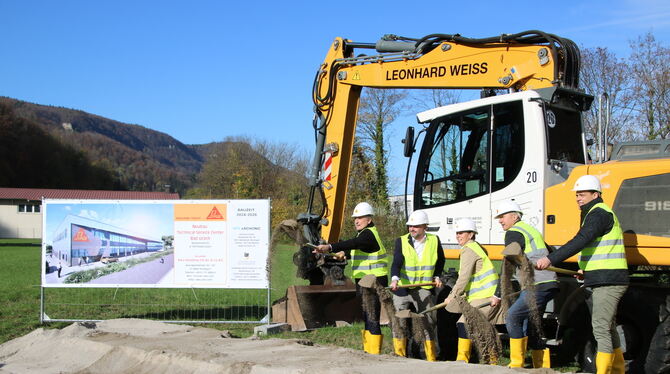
x=435, y=307
x=562, y=271
x=443, y=304
x=414, y=285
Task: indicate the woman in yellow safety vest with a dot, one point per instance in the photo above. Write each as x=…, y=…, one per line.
x=477, y=281
x=368, y=256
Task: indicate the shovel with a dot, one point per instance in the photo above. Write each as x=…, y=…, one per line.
x=514, y=252
x=455, y=309
x=406, y=313
x=369, y=281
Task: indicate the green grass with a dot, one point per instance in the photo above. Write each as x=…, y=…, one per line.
x=19, y=289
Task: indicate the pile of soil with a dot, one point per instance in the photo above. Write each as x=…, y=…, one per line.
x=143, y=346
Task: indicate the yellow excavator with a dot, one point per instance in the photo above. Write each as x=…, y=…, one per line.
x=527, y=144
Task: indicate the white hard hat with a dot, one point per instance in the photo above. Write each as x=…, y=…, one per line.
x=363, y=209
x=506, y=207
x=418, y=217
x=466, y=224
x=587, y=183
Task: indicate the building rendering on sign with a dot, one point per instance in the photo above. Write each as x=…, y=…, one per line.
x=80, y=240
x=21, y=208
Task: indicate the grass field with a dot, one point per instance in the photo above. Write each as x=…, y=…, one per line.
x=20, y=299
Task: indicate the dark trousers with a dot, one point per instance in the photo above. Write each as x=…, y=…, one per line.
x=372, y=322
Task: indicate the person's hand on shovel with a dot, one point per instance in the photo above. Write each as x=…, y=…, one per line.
x=542, y=263
x=394, y=285
x=447, y=301
x=322, y=248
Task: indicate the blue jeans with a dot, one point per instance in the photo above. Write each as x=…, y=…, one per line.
x=517, y=315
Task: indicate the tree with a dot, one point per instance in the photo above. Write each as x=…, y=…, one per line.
x=602, y=72
x=650, y=65
x=378, y=108
x=240, y=168
x=436, y=97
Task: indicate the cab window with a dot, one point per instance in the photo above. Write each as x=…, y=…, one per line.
x=455, y=162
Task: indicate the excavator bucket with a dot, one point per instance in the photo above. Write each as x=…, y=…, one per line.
x=330, y=297
x=309, y=307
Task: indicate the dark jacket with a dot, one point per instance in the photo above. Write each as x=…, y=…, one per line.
x=365, y=241
x=399, y=261
x=597, y=223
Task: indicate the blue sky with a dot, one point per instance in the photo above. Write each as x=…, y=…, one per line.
x=148, y=220
x=203, y=70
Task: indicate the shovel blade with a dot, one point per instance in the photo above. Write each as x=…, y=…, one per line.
x=405, y=313
x=368, y=281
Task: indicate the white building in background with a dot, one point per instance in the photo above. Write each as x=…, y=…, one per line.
x=21, y=208
x=397, y=204
x=80, y=239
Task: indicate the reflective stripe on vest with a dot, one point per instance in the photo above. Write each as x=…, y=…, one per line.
x=363, y=263
x=419, y=270
x=483, y=283
x=606, y=252
x=535, y=249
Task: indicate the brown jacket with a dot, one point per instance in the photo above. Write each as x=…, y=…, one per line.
x=469, y=264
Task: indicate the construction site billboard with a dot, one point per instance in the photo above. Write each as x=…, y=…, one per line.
x=155, y=243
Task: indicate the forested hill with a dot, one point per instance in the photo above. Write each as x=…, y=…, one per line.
x=136, y=158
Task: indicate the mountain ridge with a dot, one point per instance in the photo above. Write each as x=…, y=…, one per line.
x=141, y=158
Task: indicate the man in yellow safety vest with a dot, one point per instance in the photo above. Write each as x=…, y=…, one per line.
x=417, y=259
x=603, y=263
x=545, y=284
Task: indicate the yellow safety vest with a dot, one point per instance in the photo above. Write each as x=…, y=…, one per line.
x=535, y=249
x=606, y=252
x=364, y=263
x=483, y=283
x=419, y=270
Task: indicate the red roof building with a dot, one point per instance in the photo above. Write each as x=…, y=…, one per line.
x=37, y=194
x=21, y=213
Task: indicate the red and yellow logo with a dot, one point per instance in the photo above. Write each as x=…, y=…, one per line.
x=80, y=236
x=215, y=214
x=199, y=212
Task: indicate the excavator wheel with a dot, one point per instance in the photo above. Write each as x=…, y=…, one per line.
x=658, y=358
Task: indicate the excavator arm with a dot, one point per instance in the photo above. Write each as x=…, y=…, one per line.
x=517, y=62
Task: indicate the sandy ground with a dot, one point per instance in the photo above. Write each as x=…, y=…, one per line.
x=142, y=346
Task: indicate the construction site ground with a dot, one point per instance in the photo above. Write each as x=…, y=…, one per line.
x=144, y=346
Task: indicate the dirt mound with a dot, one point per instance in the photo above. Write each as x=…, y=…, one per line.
x=141, y=346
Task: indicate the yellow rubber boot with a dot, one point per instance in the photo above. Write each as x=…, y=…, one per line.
x=364, y=334
x=464, y=347
x=431, y=350
x=619, y=364
x=517, y=352
x=374, y=343
x=604, y=362
x=541, y=358
x=400, y=346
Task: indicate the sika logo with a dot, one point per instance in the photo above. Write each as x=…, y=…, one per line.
x=215, y=214
x=80, y=236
